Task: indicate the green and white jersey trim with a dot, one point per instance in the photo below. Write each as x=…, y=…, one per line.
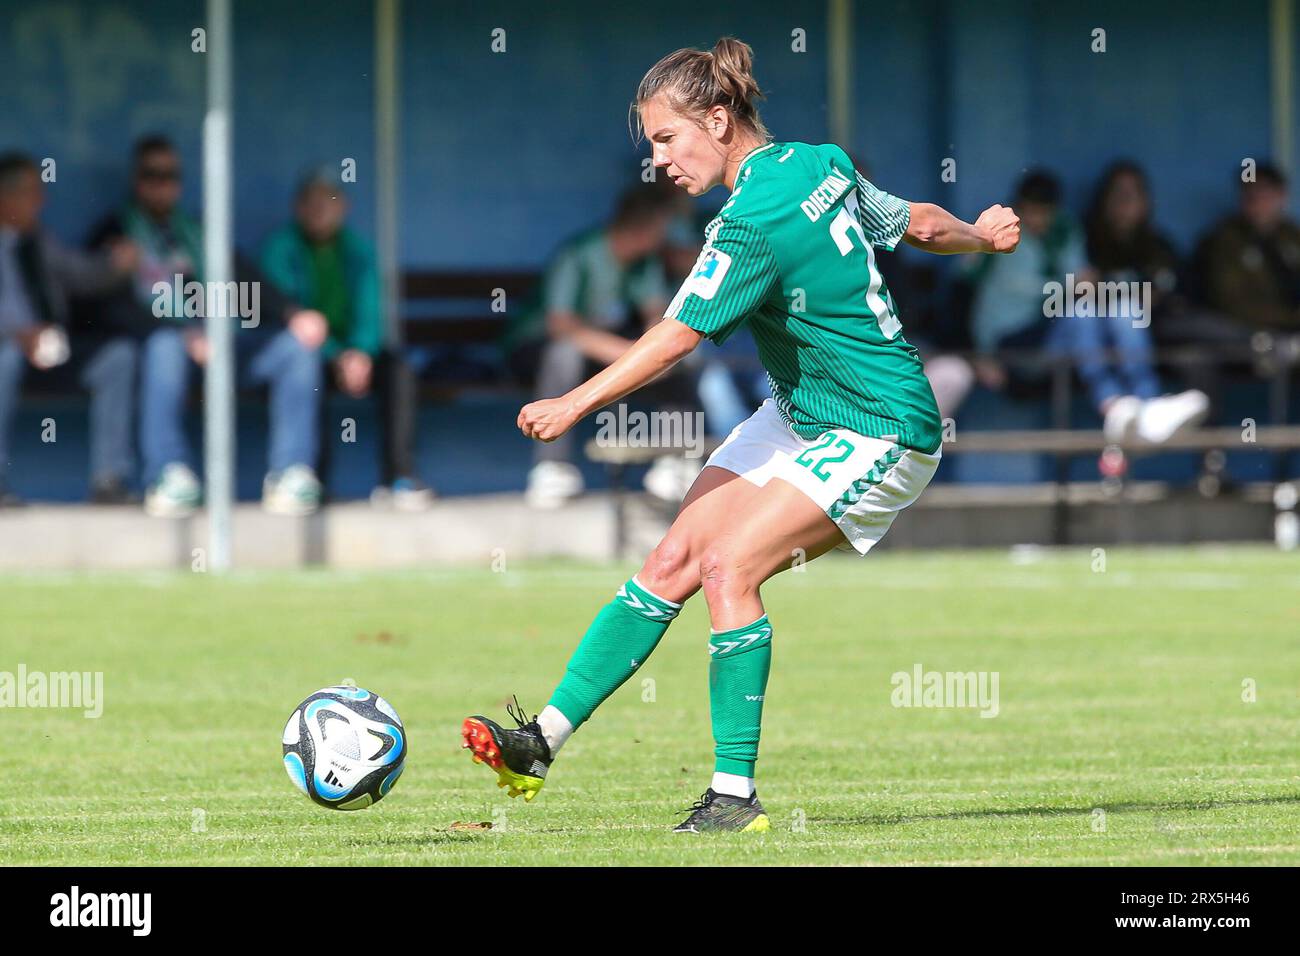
x=853, y=494
x=753, y=153
x=883, y=217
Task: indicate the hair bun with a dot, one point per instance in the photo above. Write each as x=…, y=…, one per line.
x=733, y=70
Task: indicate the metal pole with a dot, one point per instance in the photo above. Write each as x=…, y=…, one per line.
x=387, y=20
x=839, y=72
x=218, y=383
x=1282, y=61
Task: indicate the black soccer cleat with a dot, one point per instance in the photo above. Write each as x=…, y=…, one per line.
x=520, y=756
x=718, y=812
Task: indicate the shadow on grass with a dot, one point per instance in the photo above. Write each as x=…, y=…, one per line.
x=884, y=819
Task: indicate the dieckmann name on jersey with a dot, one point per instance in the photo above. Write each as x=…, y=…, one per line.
x=825, y=195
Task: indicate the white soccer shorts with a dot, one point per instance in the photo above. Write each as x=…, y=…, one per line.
x=862, y=483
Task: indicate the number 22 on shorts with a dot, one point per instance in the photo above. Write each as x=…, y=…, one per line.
x=819, y=467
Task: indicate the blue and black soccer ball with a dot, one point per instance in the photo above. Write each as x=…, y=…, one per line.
x=344, y=747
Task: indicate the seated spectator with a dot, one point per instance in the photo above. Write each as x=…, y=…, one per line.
x=321, y=262
x=1125, y=246
x=1251, y=260
x=1010, y=314
x=601, y=290
x=38, y=275
x=281, y=350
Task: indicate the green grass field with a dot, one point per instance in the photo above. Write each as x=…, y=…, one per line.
x=1122, y=735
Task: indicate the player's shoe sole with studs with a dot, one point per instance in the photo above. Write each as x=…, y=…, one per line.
x=520, y=757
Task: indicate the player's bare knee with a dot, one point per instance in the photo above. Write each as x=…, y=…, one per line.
x=669, y=571
x=723, y=575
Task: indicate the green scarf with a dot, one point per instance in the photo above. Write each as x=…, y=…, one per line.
x=142, y=229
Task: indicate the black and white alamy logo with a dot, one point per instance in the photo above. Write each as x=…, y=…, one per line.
x=76, y=908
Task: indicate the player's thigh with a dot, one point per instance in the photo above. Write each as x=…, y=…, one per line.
x=734, y=476
x=717, y=499
x=779, y=528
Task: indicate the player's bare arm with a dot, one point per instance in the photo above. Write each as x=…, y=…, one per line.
x=653, y=354
x=934, y=229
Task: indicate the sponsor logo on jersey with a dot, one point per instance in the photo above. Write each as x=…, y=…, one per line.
x=709, y=270
x=825, y=195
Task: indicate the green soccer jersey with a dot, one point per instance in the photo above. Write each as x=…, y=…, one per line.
x=791, y=254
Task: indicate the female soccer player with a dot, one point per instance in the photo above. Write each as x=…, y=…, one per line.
x=850, y=437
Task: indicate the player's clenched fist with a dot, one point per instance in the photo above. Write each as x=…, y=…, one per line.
x=1002, y=227
x=546, y=420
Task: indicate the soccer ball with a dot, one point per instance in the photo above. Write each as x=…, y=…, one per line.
x=344, y=747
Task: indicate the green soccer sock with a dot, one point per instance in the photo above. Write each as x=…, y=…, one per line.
x=739, y=662
x=618, y=641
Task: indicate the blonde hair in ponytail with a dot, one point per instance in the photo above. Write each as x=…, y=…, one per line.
x=694, y=81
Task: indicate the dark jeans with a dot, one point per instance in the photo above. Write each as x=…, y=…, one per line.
x=1113, y=356
x=103, y=366
x=392, y=389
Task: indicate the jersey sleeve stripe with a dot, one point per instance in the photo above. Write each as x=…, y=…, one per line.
x=884, y=217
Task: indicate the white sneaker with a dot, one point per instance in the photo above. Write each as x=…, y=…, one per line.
x=552, y=483
x=176, y=494
x=1120, y=425
x=671, y=477
x=295, y=491
x=1169, y=415
x=405, y=494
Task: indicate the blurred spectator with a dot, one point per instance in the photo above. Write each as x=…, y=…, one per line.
x=601, y=290
x=1252, y=258
x=1125, y=246
x=283, y=356
x=321, y=262
x=951, y=377
x=1111, y=350
x=38, y=275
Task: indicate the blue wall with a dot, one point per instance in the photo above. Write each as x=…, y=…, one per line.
x=504, y=154
x=84, y=79
x=1003, y=85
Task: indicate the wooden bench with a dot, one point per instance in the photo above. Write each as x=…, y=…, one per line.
x=454, y=308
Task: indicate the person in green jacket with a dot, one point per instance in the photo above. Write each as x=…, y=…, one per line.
x=318, y=259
